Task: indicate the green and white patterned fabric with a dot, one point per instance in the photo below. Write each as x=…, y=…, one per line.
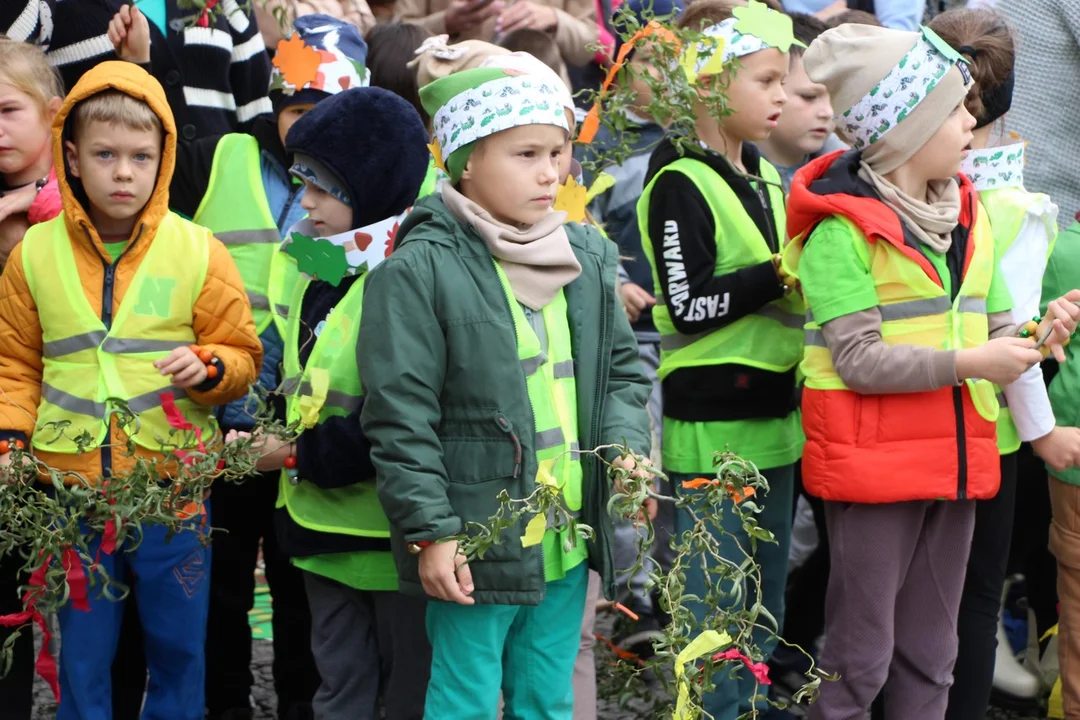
x=899, y=92
x=995, y=168
x=751, y=29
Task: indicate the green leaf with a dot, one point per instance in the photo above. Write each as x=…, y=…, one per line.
x=321, y=259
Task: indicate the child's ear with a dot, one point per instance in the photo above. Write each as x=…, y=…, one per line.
x=72, y=155
x=466, y=174
x=54, y=107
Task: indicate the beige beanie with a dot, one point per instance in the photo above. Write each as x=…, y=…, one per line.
x=435, y=59
x=909, y=104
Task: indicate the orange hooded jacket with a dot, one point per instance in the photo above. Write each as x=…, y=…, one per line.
x=222, y=319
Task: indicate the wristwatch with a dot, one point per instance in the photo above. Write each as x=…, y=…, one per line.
x=415, y=548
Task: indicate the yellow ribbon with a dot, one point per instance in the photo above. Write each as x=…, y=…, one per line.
x=311, y=405
x=706, y=643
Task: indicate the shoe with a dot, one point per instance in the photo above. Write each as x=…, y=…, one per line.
x=637, y=636
x=1010, y=677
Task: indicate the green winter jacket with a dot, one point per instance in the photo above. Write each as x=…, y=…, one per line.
x=1060, y=278
x=446, y=407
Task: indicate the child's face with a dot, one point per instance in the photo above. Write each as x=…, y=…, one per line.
x=329, y=215
x=940, y=158
x=566, y=161
x=288, y=117
x=807, y=120
x=118, y=166
x=640, y=67
x=24, y=133
x=756, y=95
x=514, y=174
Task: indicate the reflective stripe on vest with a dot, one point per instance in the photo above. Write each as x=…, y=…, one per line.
x=914, y=310
x=328, y=385
x=1007, y=209
x=85, y=365
x=771, y=337
x=235, y=209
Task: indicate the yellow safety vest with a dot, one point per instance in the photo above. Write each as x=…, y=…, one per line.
x=549, y=378
x=771, y=337
x=235, y=209
x=915, y=310
x=1007, y=208
x=87, y=366
x=328, y=385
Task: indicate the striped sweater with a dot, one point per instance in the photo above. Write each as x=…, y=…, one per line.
x=27, y=21
x=215, y=78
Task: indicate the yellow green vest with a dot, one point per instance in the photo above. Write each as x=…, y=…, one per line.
x=1007, y=208
x=771, y=337
x=328, y=385
x=235, y=209
x=87, y=366
x=549, y=379
x=915, y=310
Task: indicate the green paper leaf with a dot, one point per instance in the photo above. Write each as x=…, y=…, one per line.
x=772, y=28
x=941, y=46
x=320, y=258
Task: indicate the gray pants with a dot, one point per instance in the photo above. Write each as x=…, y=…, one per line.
x=369, y=647
x=890, y=613
x=626, y=534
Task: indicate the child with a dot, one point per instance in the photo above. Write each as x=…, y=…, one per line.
x=908, y=326
x=30, y=95
x=494, y=349
x=114, y=144
x=391, y=48
x=805, y=129
x=729, y=337
x=362, y=158
x=1024, y=225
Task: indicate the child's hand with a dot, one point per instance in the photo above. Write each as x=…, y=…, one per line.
x=129, y=32
x=650, y=506
x=463, y=15
x=1063, y=313
x=445, y=574
x=1060, y=448
x=271, y=449
x=1002, y=360
x=527, y=14
x=635, y=299
x=184, y=365
x=17, y=201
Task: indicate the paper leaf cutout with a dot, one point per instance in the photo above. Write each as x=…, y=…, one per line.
x=771, y=27
x=534, y=531
x=296, y=61
x=311, y=405
x=436, y=153
x=941, y=46
x=601, y=185
x=571, y=199
x=713, y=66
x=321, y=259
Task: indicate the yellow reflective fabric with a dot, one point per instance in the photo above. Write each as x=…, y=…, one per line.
x=284, y=274
x=771, y=338
x=1006, y=209
x=235, y=209
x=549, y=379
x=87, y=367
x=328, y=386
x=914, y=309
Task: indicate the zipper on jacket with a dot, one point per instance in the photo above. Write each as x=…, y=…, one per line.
x=106, y=319
x=961, y=444
x=508, y=428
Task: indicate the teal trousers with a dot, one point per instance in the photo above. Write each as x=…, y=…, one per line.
x=527, y=652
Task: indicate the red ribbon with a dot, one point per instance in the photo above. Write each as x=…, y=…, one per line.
x=76, y=579
x=46, y=663
x=177, y=420
x=760, y=670
x=108, y=540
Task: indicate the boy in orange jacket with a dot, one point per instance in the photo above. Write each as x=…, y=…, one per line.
x=103, y=302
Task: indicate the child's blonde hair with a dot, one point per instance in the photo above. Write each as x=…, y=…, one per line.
x=24, y=67
x=116, y=108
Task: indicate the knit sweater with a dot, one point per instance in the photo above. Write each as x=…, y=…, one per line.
x=27, y=21
x=1044, y=111
x=215, y=77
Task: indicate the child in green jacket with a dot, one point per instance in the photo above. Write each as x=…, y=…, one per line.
x=494, y=351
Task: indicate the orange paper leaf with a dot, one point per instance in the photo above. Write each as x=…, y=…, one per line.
x=298, y=63
x=697, y=483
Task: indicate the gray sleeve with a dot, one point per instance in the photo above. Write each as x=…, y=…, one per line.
x=867, y=365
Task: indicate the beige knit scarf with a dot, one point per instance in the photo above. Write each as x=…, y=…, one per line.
x=931, y=220
x=538, y=260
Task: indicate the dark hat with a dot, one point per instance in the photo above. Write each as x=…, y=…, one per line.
x=373, y=145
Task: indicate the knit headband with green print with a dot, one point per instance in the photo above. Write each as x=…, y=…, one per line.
x=899, y=92
x=474, y=104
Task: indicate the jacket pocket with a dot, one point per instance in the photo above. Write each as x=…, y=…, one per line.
x=479, y=445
